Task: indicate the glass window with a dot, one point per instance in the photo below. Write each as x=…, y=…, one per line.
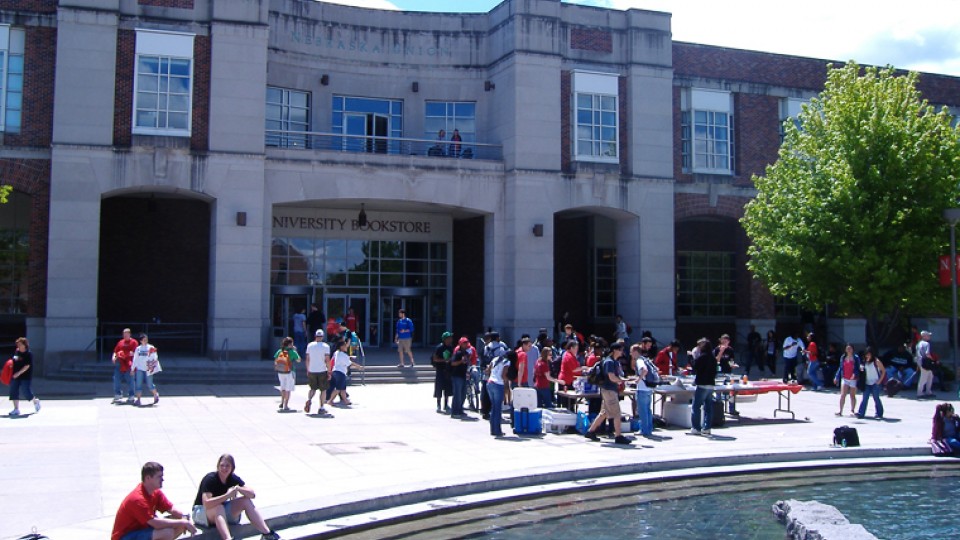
x=596, y=126
x=605, y=282
x=163, y=84
x=287, y=111
x=446, y=119
x=11, y=78
x=706, y=140
x=369, y=123
x=706, y=284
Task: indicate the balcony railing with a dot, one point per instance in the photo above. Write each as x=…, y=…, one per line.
x=400, y=146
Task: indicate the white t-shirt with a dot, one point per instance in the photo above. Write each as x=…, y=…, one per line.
x=341, y=361
x=317, y=352
x=496, y=370
x=142, y=354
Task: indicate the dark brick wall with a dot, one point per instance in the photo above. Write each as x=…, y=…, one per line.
x=182, y=4
x=692, y=60
x=591, y=39
x=566, y=118
x=37, y=6
x=756, y=134
x=123, y=96
x=32, y=176
x=468, y=270
x=39, y=70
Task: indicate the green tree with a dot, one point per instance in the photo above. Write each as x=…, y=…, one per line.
x=851, y=213
x=4, y=192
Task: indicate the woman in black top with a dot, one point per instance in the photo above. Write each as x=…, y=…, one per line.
x=221, y=499
x=22, y=377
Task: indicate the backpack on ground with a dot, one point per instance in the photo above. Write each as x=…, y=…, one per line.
x=893, y=387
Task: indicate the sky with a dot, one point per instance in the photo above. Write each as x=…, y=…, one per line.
x=921, y=35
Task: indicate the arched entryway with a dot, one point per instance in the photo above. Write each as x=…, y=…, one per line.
x=155, y=268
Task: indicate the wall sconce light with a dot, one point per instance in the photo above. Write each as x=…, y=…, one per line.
x=324, y=79
x=415, y=87
x=488, y=86
x=362, y=218
x=241, y=219
x=538, y=230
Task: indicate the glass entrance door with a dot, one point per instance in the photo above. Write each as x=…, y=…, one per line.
x=390, y=306
x=338, y=306
x=282, y=308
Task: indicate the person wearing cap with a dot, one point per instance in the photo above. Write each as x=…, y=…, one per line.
x=442, y=386
x=122, y=364
x=458, y=375
x=925, y=361
x=609, y=393
x=318, y=370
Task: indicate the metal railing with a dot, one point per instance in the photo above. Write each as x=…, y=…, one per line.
x=174, y=337
x=371, y=144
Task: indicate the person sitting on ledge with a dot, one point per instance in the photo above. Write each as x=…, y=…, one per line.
x=222, y=497
x=946, y=426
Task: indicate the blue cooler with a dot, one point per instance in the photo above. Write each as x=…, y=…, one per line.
x=528, y=422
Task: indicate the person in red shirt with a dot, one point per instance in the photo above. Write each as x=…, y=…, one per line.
x=351, y=320
x=122, y=360
x=522, y=369
x=542, y=379
x=137, y=517
x=570, y=366
x=666, y=360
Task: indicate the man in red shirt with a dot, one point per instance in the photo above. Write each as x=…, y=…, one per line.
x=137, y=517
x=122, y=360
x=666, y=360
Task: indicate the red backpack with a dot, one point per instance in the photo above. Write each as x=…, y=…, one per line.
x=6, y=374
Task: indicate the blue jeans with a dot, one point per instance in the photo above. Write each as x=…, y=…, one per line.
x=814, y=373
x=906, y=375
x=702, y=402
x=141, y=379
x=459, y=388
x=545, y=398
x=119, y=379
x=645, y=412
x=871, y=390
x=496, y=407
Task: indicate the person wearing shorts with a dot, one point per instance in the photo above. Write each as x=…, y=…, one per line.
x=846, y=379
x=287, y=376
x=318, y=371
x=223, y=496
x=137, y=517
x=404, y=338
x=339, y=366
x=610, y=394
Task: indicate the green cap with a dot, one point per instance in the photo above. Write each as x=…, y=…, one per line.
x=445, y=335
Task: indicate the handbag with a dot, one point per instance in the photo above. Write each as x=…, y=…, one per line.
x=846, y=436
x=153, y=367
x=6, y=374
x=199, y=515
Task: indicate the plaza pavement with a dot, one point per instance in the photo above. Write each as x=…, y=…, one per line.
x=67, y=468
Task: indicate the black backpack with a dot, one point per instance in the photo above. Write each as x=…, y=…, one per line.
x=513, y=371
x=652, y=378
x=595, y=375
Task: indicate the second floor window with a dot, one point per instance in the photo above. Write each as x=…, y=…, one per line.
x=706, y=132
x=445, y=121
x=11, y=78
x=288, y=111
x=595, y=100
x=368, y=124
x=163, y=83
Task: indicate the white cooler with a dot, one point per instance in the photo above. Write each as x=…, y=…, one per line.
x=677, y=414
x=557, y=420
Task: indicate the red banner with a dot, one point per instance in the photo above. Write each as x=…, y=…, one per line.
x=944, y=270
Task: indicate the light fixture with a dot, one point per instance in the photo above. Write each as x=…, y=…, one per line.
x=415, y=87
x=362, y=218
x=538, y=230
x=488, y=86
x=324, y=79
x=241, y=219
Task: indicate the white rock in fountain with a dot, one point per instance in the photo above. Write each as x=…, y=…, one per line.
x=814, y=520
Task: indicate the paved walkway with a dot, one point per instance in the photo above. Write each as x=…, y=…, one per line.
x=68, y=467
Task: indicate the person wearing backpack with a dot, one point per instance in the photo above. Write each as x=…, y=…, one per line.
x=647, y=379
x=493, y=349
x=610, y=393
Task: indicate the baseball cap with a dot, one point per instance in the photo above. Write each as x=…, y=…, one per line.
x=319, y=333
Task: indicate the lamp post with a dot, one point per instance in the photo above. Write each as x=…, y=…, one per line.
x=952, y=215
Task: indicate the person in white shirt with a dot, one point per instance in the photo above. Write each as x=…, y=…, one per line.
x=318, y=370
x=145, y=363
x=792, y=354
x=340, y=364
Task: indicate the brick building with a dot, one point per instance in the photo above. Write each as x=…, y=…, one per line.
x=202, y=169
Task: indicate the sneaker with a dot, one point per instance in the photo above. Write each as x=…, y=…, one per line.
x=36, y=404
x=117, y=398
x=694, y=431
x=321, y=410
x=705, y=433
x=270, y=536
x=592, y=436
x=620, y=439
x=137, y=402
x=156, y=399
x=130, y=400
x=306, y=408
x=15, y=412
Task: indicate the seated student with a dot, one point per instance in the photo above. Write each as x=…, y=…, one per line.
x=221, y=499
x=137, y=517
x=946, y=426
x=900, y=365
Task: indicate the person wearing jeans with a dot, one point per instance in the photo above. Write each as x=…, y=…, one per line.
x=495, y=389
x=458, y=375
x=705, y=370
x=813, y=371
x=644, y=392
x=875, y=376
